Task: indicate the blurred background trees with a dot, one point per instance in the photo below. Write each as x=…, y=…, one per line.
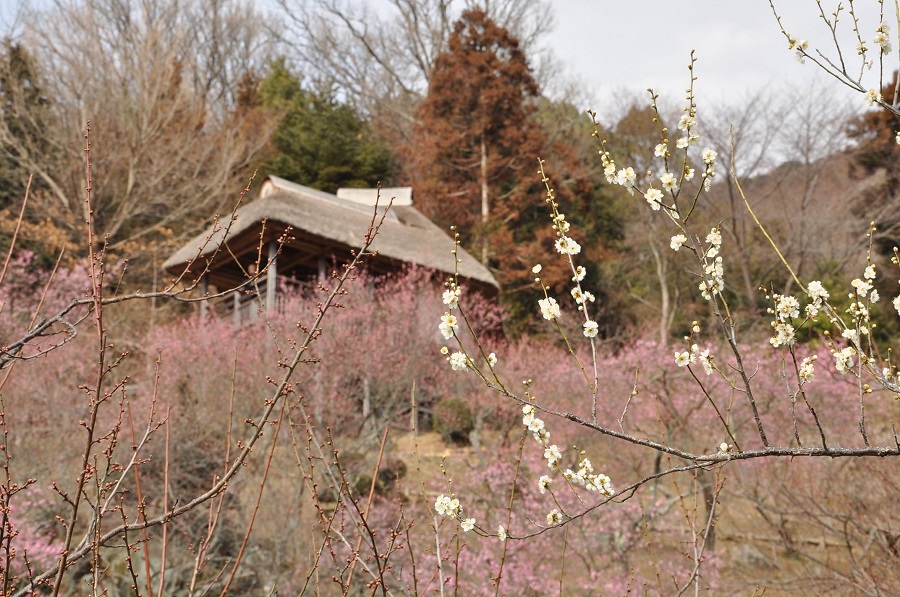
x=187, y=99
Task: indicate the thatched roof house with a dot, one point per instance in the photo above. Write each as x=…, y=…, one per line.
x=323, y=230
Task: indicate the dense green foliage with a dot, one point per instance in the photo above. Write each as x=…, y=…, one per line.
x=320, y=141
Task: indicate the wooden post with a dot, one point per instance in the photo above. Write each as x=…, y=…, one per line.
x=236, y=313
x=367, y=399
x=322, y=269
x=271, y=277
x=204, y=290
x=413, y=411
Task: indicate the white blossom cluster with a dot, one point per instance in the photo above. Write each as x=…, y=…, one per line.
x=564, y=244
x=554, y=517
x=859, y=308
x=786, y=309
x=872, y=97
x=449, y=507
x=799, y=46
x=549, y=308
x=584, y=476
x=458, y=360
x=843, y=359
x=806, y=370
x=883, y=38
x=819, y=295
x=688, y=124
x=538, y=431
x=448, y=326
x=709, y=160
x=862, y=296
x=714, y=282
x=451, y=295
x=582, y=298
x=685, y=358
x=567, y=246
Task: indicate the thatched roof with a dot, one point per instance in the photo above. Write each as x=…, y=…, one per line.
x=406, y=236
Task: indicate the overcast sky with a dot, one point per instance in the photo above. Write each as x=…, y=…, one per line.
x=635, y=44
x=615, y=45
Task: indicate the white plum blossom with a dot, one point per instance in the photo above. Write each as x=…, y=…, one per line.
x=872, y=97
x=536, y=269
x=896, y=303
x=661, y=150
x=458, y=361
x=686, y=122
x=654, y=198
x=787, y=307
x=448, y=326
x=549, y=308
x=714, y=282
x=784, y=334
x=553, y=455
x=582, y=296
x=882, y=38
x=669, y=182
x=626, y=177
x=560, y=223
x=585, y=477
x=843, y=359
x=696, y=355
x=467, y=525
x=816, y=291
x=544, y=483
x=806, y=370
x=492, y=359
x=447, y=506
x=682, y=358
x=580, y=273
x=862, y=287
x=709, y=156
x=869, y=274
x=818, y=294
x=681, y=143
x=501, y=533
x=528, y=412
x=850, y=334
x=554, y=517
x=542, y=437
x=677, y=241
x=451, y=296
x=591, y=329
x=800, y=46
x=567, y=246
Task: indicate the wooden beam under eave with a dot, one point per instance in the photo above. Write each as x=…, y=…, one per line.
x=271, y=277
x=204, y=292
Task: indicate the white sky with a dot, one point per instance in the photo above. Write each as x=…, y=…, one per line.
x=635, y=44
x=613, y=46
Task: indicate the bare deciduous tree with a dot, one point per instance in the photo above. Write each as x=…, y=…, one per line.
x=159, y=82
x=383, y=60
